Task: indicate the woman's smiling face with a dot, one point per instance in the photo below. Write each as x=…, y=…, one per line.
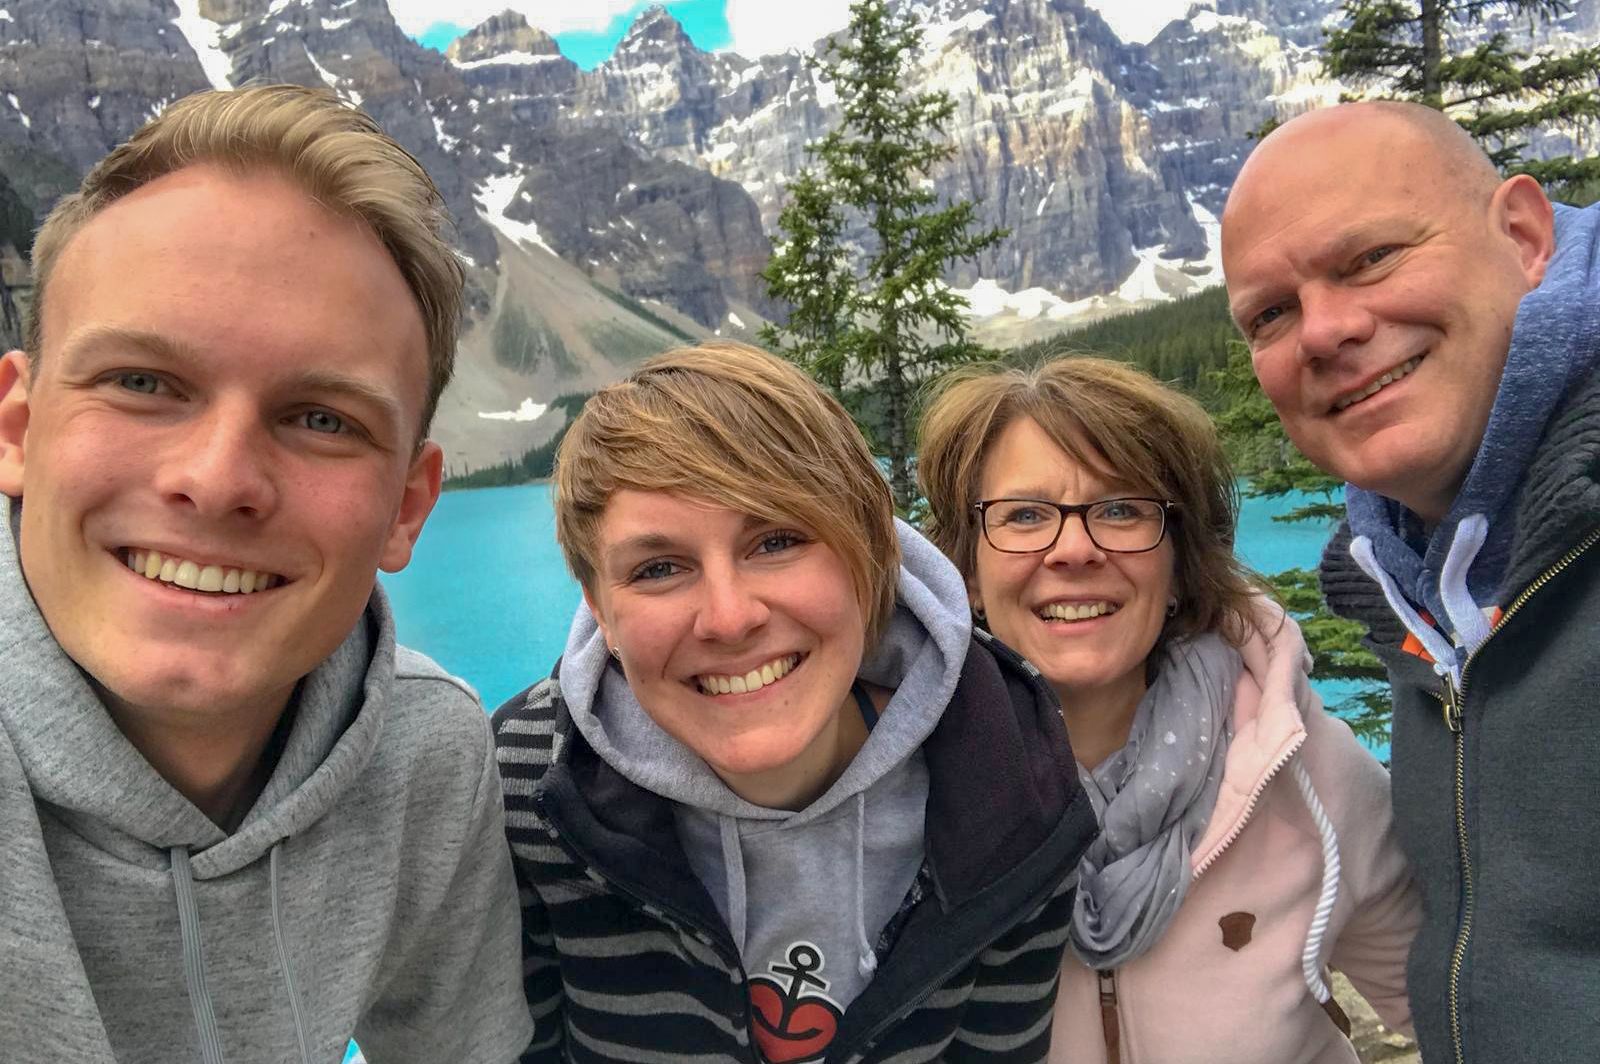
x=1024, y=597
x=739, y=636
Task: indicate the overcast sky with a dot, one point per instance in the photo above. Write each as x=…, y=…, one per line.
x=589, y=28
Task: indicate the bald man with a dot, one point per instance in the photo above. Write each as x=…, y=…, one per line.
x=1427, y=331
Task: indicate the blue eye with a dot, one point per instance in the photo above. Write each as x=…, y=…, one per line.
x=322, y=421
x=142, y=383
x=1023, y=515
x=1377, y=255
x=1266, y=317
x=777, y=541
x=656, y=570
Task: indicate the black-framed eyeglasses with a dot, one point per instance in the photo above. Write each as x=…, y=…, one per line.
x=1119, y=526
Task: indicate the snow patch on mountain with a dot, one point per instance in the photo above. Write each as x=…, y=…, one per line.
x=528, y=410
x=205, y=37
x=494, y=196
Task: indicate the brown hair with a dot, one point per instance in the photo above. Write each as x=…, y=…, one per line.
x=333, y=151
x=736, y=426
x=1113, y=418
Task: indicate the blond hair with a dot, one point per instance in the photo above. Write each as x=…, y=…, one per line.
x=1119, y=421
x=735, y=426
x=337, y=154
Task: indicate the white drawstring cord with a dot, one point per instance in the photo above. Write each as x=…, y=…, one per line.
x=1311, y=958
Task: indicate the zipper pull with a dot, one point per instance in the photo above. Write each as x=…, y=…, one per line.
x=1109, y=1024
x=1452, y=704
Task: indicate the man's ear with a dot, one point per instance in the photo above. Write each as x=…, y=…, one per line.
x=423, y=480
x=13, y=420
x=1523, y=213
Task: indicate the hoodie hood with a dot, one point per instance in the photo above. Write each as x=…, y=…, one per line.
x=919, y=657
x=76, y=759
x=1554, y=344
x=804, y=894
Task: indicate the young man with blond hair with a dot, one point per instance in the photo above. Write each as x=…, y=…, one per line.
x=239, y=823
x=1426, y=330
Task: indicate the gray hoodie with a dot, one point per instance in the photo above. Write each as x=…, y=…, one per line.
x=812, y=888
x=367, y=893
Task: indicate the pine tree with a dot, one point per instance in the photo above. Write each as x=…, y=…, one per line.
x=865, y=243
x=1424, y=50
x=1273, y=467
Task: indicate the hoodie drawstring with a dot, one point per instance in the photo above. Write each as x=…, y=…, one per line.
x=283, y=955
x=867, y=961
x=1466, y=619
x=733, y=869
x=1432, y=640
x=1311, y=957
x=1462, y=614
x=194, y=960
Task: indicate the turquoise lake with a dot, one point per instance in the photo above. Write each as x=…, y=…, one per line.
x=488, y=596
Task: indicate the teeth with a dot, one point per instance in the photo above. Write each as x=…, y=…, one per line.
x=152, y=565
x=1069, y=611
x=1378, y=385
x=754, y=680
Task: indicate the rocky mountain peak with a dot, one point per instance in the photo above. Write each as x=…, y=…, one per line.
x=504, y=34
x=654, y=35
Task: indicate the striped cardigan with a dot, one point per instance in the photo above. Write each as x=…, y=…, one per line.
x=625, y=957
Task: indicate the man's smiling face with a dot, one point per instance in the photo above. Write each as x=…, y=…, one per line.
x=232, y=379
x=1377, y=287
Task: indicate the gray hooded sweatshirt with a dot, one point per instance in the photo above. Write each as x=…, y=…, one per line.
x=367, y=893
x=811, y=889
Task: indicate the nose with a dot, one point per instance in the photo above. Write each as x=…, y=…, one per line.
x=729, y=608
x=1332, y=316
x=222, y=465
x=1073, y=546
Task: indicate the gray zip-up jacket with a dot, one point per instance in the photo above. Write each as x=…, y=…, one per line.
x=1496, y=776
x=367, y=893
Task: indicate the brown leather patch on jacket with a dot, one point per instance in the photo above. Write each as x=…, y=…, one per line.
x=1236, y=930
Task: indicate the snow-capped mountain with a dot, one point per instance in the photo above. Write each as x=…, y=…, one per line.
x=609, y=213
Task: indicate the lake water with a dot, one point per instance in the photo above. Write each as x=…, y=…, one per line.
x=488, y=596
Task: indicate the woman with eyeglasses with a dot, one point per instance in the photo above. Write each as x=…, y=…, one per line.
x=1246, y=843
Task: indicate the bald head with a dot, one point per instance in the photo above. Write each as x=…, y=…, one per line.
x=1416, y=146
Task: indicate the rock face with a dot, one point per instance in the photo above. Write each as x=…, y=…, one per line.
x=1049, y=143
x=80, y=76
x=1209, y=82
x=607, y=213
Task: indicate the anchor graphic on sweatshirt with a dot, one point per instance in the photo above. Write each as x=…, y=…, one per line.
x=793, y=1021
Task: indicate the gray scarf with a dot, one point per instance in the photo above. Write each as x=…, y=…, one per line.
x=1154, y=798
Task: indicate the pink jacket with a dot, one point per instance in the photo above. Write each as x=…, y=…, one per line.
x=1239, y=974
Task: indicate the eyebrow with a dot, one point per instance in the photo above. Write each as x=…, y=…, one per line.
x=165, y=348
x=88, y=341
x=327, y=382
x=649, y=542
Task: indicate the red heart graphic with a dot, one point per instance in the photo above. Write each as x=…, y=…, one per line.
x=809, y=1029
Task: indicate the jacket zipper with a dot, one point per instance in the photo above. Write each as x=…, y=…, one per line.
x=1249, y=809
x=1454, y=704
x=1108, y=1015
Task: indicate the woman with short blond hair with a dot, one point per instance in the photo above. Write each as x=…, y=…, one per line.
x=775, y=792
x=1246, y=838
